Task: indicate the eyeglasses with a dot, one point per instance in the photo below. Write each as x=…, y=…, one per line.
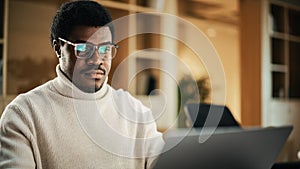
x=107, y=51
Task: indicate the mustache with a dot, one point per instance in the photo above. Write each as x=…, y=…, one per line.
x=91, y=68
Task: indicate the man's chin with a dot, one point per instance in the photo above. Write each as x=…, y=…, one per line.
x=91, y=87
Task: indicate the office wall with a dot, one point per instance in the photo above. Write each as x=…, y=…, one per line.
x=225, y=39
x=31, y=60
x=29, y=31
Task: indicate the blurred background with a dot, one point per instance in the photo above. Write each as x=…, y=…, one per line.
x=258, y=43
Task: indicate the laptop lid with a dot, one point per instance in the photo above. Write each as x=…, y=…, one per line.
x=197, y=114
x=224, y=149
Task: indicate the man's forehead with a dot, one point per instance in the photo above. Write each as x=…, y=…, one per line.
x=102, y=34
x=91, y=34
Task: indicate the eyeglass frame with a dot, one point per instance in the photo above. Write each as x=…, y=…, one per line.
x=95, y=48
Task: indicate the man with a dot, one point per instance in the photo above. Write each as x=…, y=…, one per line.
x=77, y=120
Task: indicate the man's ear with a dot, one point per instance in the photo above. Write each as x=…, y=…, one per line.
x=56, y=47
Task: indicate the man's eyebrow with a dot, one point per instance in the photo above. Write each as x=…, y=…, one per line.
x=80, y=41
x=106, y=43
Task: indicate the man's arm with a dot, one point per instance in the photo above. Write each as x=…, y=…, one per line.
x=153, y=143
x=16, y=140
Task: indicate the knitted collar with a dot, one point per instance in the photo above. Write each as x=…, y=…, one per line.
x=65, y=87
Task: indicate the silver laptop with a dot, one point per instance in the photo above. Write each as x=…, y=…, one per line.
x=224, y=149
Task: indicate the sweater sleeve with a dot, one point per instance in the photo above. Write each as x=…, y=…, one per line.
x=153, y=145
x=153, y=139
x=16, y=140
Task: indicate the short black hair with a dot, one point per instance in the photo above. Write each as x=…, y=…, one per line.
x=79, y=13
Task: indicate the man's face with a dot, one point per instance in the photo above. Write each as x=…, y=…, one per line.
x=90, y=73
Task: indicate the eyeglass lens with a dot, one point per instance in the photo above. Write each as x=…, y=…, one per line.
x=87, y=50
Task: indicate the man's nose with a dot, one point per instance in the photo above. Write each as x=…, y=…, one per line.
x=95, y=59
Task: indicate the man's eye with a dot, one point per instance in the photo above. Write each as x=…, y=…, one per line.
x=81, y=47
x=102, y=49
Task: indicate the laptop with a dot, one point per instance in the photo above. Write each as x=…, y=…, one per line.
x=224, y=149
x=197, y=114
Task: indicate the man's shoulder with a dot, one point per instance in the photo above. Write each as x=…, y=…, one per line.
x=41, y=88
x=123, y=99
x=24, y=104
x=122, y=94
x=33, y=94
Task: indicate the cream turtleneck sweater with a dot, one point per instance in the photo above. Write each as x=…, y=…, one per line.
x=57, y=126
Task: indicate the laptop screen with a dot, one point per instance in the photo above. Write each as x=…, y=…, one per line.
x=197, y=115
x=225, y=149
